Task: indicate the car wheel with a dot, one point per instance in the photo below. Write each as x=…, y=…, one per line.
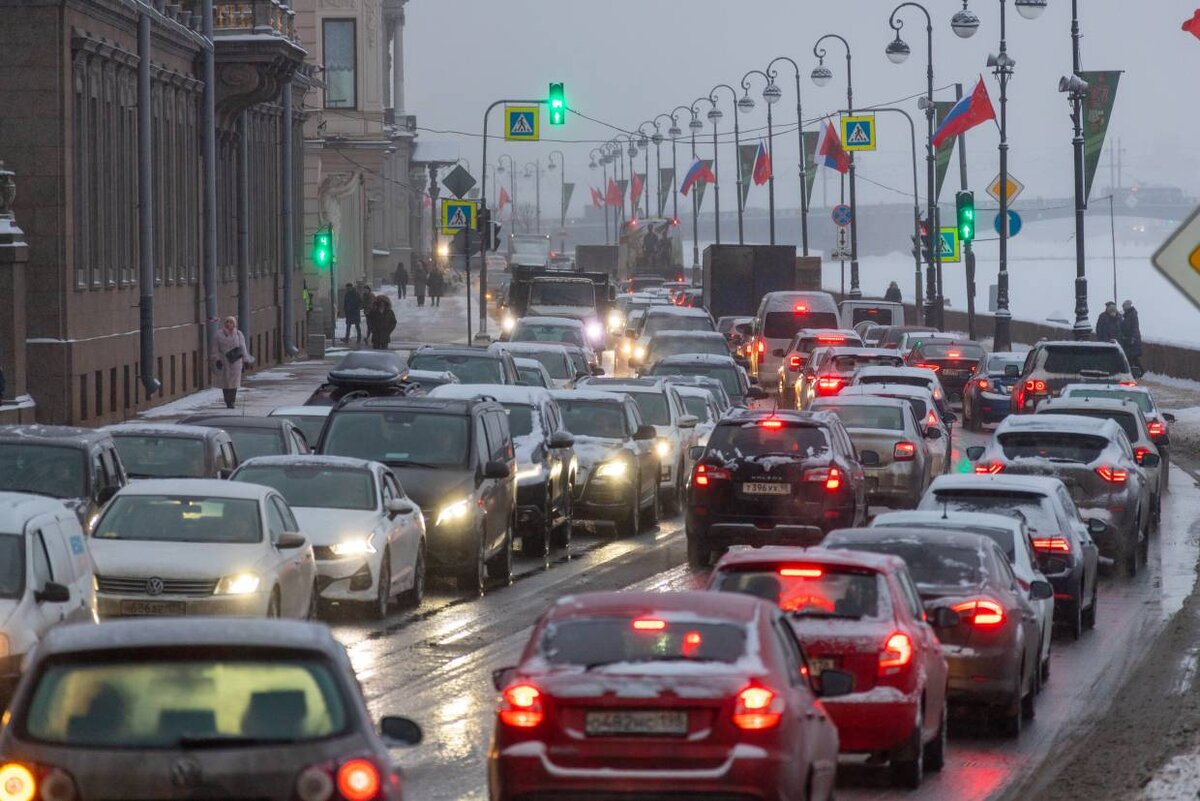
x=1131, y=554
x=627, y=523
x=1014, y=713
x=674, y=497
x=1029, y=700
x=1045, y=668
x=537, y=544
x=472, y=581
x=1088, y=618
x=273, y=604
x=698, y=552
x=908, y=769
x=313, y=604
x=413, y=596
x=1075, y=624
x=499, y=567
x=561, y=537
x=935, y=749
x=380, y=607
x=652, y=514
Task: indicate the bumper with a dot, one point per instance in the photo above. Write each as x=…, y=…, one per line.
x=877, y=721
x=1068, y=591
x=992, y=408
x=723, y=535
x=603, y=500
x=1121, y=536
x=349, y=579
x=980, y=676
x=531, y=507
x=451, y=545
x=249, y=605
x=898, y=485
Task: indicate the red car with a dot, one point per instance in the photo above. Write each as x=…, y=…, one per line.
x=640, y=695
x=860, y=613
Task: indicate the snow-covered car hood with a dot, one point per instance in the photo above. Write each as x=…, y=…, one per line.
x=592, y=451
x=331, y=526
x=177, y=560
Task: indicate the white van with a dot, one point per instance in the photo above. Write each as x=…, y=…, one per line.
x=780, y=315
x=880, y=312
x=45, y=577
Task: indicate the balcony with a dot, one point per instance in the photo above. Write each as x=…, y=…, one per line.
x=257, y=54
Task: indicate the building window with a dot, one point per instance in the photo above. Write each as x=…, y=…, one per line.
x=339, y=48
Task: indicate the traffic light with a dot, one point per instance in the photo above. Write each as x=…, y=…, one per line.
x=489, y=230
x=558, y=104
x=923, y=241
x=322, y=252
x=966, y=215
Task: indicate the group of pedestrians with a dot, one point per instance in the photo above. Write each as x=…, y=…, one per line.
x=1123, y=328
x=426, y=278
x=359, y=301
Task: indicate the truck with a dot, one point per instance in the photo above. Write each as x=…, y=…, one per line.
x=529, y=250
x=544, y=292
x=597, y=258
x=737, y=276
x=650, y=247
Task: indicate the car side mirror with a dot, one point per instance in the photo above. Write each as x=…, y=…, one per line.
x=496, y=470
x=695, y=452
x=399, y=506
x=106, y=494
x=756, y=393
x=1150, y=460
x=597, y=370
x=975, y=452
x=1040, y=590
x=778, y=353
x=1170, y=418
x=943, y=617
x=400, y=731
x=688, y=421
x=836, y=683
x=1096, y=526
x=502, y=676
x=52, y=593
x=561, y=439
x=1012, y=371
x=645, y=432
x=291, y=540
x=933, y=433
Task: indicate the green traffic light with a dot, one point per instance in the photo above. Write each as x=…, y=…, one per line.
x=322, y=253
x=965, y=203
x=558, y=104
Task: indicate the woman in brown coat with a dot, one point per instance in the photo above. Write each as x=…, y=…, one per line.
x=229, y=354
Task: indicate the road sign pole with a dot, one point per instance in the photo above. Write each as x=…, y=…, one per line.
x=467, y=274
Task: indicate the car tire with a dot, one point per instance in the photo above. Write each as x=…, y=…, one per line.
x=1045, y=670
x=1075, y=624
x=273, y=605
x=652, y=514
x=1130, y=561
x=472, y=580
x=499, y=567
x=673, y=500
x=413, y=596
x=627, y=523
x=1014, y=713
x=698, y=552
x=935, y=749
x=561, y=537
x=378, y=609
x=314, y=604
x=537, y=544
x=1029, y=700
x=1088, y=617
x=908, y=771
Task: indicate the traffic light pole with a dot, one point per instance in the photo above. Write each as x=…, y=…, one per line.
x=968, y=246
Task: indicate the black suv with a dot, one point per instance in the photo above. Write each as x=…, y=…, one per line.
x=79, y=466
x=1050, y=366
x=773, y=478
x=456, y=459
x=469, y=365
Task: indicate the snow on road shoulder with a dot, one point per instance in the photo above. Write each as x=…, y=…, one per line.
x=1178, y=780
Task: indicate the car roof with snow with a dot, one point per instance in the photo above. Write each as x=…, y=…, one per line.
x=311, y=460
x=303, y=411
x=179, y=632
x=693, y=391
x=591, y=395
x=197, y=487
x=733, y=607
x=503, y=393
x=897, y=390
x=861, y=350
x=174, y=430
x=454, y=350
x=754, y=416
x=712, y=359
x=529, y=347
x=414, y=403
x=1036, y=485
x=868, y=536
x=645, y=384
x=716, y=336
x=1109, y=387
x=1105, y=404
x=18, y=507
x=67, y=435
x=1060, y=424
x=773, y=555
x=858, y=400
x=945, y=519
x=676, y=311
x=227, y=420
x=809, y=333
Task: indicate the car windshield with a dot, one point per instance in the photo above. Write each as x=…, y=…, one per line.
x=726, y=374
x=675, y=322
x=753, y=439
x=556, y=364
x=251, y=442
x=400, y=436
x=319, y=486
x=185, y=700
x=1125, y=420
x=810, y=590
x=466, y=368
x=532, y=377
x=968, y=351
x=593, y=418
x=1142, y=399
x=785, y=324
x=698, y=407
x=12, y=565
x=653, y=406
x=1033, y=509
x=611, y=640
x=43, y=469
x=662, y=347
x=520, y=419
x=181, y=518
x=562, y=293
x=888, y=418
x=147, y=456
x=997, y=364
x=1057, y=447
x=1071, y=359
x=1001, y=536
x=309, y=426
x=931, y=565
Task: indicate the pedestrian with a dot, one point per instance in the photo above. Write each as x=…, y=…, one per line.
x=352, y=310
x=229, y=356
x=401, y=277
x=1108, y=325
x=893, y=293
x=1131, y=335
x=437, y=285
x=420, y=276
x=382, y=322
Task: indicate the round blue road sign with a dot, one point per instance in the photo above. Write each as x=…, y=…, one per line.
x=1014, y=223
x=842, y=215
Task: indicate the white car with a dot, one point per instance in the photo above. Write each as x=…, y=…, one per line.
x=1011, y=534
x=202, y=547
x=553, y=357
x=700, y=403
x=367, y=535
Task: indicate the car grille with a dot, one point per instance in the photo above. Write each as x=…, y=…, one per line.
x=137, y=586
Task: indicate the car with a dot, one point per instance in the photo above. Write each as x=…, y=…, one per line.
x=662, y=408
x=925, y=408
x=617, y=478
x=642, y=283
x=711, y=385
x=546, y=463
x=554, y=358
x=658, y=319
x=584, y=360
x=993, y=649
x=191, y=546
x=421, y=381
x=553, y=330
x=728, y=326
x=779, y=317
x=158, y=450
x=773, y=478
x=701, y=404
x=1012, y=535
x=47, y=577
x=456, y=459
x=1157, y=421
x=133, y=703
x=726, y=370
x=987, y=395
x=1050, y=366
x=309, y=419
x=870, y=333
x=79, y=466
x=254, y=436
x=683, y=343
x=469, y=365
x=876, y=312
x=912, y=376
x=654, y=695
x=908, y=340
x=955, y=362
x=794, y=357
x=829, y=368
x=858, y=613
x=533, y=373
x=893, y=335
x=375, y=372
x=1067, y=554
x=368, y=537
x=891, y=444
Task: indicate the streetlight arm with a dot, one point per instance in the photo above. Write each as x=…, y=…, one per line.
x=820, y=52
x=898, y=23
x=746, y=79
x=771, y=72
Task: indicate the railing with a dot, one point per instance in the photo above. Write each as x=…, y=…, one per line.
x=253, y=16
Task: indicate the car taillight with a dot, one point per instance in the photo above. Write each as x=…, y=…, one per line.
x=25, y=782
x=904, y=451
x=17, y=783
x=1051, y=544
x=704, y=475
x=757, y=708
x=831, y=477
x=931, y=420
x=1113, y=475
x=1156, y=428
x=649, y=624
x=1035, y=386
x=1129, y=383
x=358, y=780
x=761, y=345
x=897, y=652
x=989, y=468
x=983, y=384
x=830, y=385
x=982, y=613
x=521, y=706
x=1140, y=453
x=927, y=366
x=801, y=572
x=795, y=362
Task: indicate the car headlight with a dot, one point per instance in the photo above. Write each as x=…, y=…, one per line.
x=453, y=512
x=239, y=584
x=508, y=324
x=616, y=321
x=639, y=351
x=617, y=468
x=595, y=331
x=627, y=348
x=530, y=473
x=662, y=447
x=358, y=546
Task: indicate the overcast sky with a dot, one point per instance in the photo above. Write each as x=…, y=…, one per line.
x=624, y=62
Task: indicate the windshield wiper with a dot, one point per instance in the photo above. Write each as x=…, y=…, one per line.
x=412, y=463
x=223, y=740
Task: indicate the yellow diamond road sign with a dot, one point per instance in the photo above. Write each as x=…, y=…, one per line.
x=1179, y=258
x=521, y=123
x=858, y=133
x=1015, y=188
x=458, y=215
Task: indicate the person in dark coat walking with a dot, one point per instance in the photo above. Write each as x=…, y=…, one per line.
x=382, y=321
x=352, y=311
x=437, y=285
x=1108, y=325
x=420, y=276
x=1131, y=335
x=401, y=278
x=893, y=293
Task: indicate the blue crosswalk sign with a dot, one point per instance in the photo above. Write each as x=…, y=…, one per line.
x=521, y=123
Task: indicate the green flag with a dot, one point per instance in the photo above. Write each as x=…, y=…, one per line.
x=701, y=186
x=1097, y=111
x=568, y=189
x=943, y=153
x=810, y=161
x=666, y=184
x=746, y=156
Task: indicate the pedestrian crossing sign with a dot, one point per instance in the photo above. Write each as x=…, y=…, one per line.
x=858, y=133
x=458, y=215
x=951, y=246
x=521, y=123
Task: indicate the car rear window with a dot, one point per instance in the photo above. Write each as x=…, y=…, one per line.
x=1126, y=420
x=612, y=640
x=996, y=364
x=880, y=315
x=785, y=324
x=931, y=564
x=1033, y=509
x=1069, y=359
x=1001, y=536
x=970, y=352
x=675, y=322
x=903, y=380
x=728, y=376
x=751, y=439
x=812, y=590
x=1064, y=447
x=888, y=418
x=848, y=364
x=1142, y=399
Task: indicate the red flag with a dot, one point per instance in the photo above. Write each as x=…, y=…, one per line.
x=829, y=150
x=974, y=109
x=503, y=200
x=1192, y=26
x=597, y=200
x=635, y=189
x=762, y=166
x=614, y=197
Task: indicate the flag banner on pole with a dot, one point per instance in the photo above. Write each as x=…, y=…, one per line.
x=635, y=191
x=597, y=198
x=700, y=173
x=705, y=167
x=1097, y=111
x=762, y=165
x=810, y=162
x=974, y=109
x=568, y=189
x=666, y=179
x=830, y=152
x=943, y=152
x=504, y=199
x=746, y=157
x=622, y=187
x=615, y=197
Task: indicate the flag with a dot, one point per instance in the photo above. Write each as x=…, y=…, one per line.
x=666, y=177
x=504, y=199
x=974, y=109
x=829, y=149
x=698, y=197
x=810, y=161
x=1192, y=26
x=615, y=197
x=635, y=190
x=597, y=198
x=762, y=166
x=942, y=109
x=746, y=156
x=568, y=189
x=1097, y=112
x=699, y=172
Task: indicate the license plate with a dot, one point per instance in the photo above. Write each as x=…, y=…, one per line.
x=954, y=373
x=152, y=607
x=766, y=488
x=599, y=724
x=819, y=666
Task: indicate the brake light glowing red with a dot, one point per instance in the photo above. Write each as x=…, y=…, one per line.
x=981, y=613
x=928, y=366
x=358, y=780
x=521, y=706
x=1156, y=428
x=801, y=572
x=1113, y=475
x=704, y=475
x=1051, y=544
x=757, y=708
x=953, y=354
x=649, y=624
x=795, y=362
x=800, y=308
x=835, y=479
x=773, y=425
x=1129, y=383
x=830, y=385
x=831, y=477
x=831, y=339
x=904, y=451
x=983, y=384
x=897, y=652
x=989, y=468
x=1140, y=453
x=1035, y=386
x=761, y=345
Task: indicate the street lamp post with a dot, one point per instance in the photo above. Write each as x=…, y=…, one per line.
x=644, y=143
x=714, y=116
x=737, y=149
x=695, y=126
x=803, y=162
x=675, y=132
x=536, y=167
x=771, y=95
x=821, y=76
x=1076, y=88
x=561, y=166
